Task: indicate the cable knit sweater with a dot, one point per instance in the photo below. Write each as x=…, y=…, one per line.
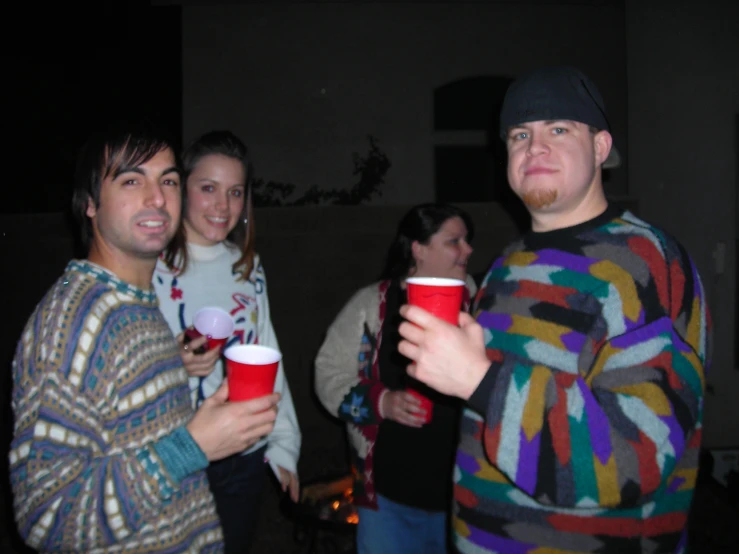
x=209, y=281
x=100, y=459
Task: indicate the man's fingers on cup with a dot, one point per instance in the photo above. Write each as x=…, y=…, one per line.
x=409, y=350
x=412, y=370
x=261, y=431
x=417, y=315
x=261, y=404
x=412, y=313
x=465, y=319
x=411, y=332
x=261, y=419
x=271, y=399
x=221, y=394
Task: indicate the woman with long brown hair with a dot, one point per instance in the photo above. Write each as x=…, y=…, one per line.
x=213, y=262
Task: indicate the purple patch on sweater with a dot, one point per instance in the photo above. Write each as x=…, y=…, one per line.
x=600, y=437
x=572, y=262
x=467, y=463
x=647, y=332
x=528, y=459
x=573, y=341
x=677, y=437
x=499, y=322
x=495, y=543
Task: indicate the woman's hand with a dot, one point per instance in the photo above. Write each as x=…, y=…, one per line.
x=197, y=365
x=403, y=408
x=289, y=482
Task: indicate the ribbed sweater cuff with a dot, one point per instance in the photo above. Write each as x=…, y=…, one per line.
x=180, y=454
x=480, y=398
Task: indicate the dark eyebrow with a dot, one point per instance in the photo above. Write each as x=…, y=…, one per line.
x=173, y=169
x=137, y=169
x=565, y=121
x=127, y=169
x=526, y=124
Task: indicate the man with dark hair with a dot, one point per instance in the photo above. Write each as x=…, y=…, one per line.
x=583, y=368
x=107, y=455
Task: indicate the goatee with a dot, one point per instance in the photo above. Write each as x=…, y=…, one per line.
x=539, y=199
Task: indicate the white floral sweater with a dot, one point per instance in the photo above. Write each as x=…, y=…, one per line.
x=206, y=283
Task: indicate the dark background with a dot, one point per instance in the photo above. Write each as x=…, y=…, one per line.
x=68, y=70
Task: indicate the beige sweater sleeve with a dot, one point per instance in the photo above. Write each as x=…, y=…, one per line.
x=337, y=362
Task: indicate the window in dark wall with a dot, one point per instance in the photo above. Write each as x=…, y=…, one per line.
x=107, y=61
x=469, y=157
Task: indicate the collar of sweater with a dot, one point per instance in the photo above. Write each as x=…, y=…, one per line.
x=201, y=253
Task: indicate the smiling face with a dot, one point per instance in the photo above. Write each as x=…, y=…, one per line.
x=137, y=213
x=215, y=199
x=446, y=253
x=554, y=167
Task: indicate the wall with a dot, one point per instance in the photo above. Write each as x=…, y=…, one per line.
x=305, y=83
x=683, y=76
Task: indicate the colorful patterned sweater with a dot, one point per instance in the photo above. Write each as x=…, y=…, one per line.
x=585, y=432
x=100, y=459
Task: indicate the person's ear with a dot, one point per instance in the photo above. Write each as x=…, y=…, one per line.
x=602, y=142
x=418, y=250
x=91, y=209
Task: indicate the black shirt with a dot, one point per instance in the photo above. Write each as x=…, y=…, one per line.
x=413, y=466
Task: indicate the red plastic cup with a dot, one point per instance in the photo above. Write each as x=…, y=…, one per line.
x=214, y=323
x=426, y=404
x=440, y=296
x=251, y=370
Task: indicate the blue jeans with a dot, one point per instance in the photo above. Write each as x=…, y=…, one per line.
x=398, y=529
x=237, y=483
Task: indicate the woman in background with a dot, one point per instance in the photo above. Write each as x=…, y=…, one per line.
x=212, y=262
x=403, y=467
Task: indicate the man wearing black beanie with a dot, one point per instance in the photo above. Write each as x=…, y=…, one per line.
x=583, y=362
